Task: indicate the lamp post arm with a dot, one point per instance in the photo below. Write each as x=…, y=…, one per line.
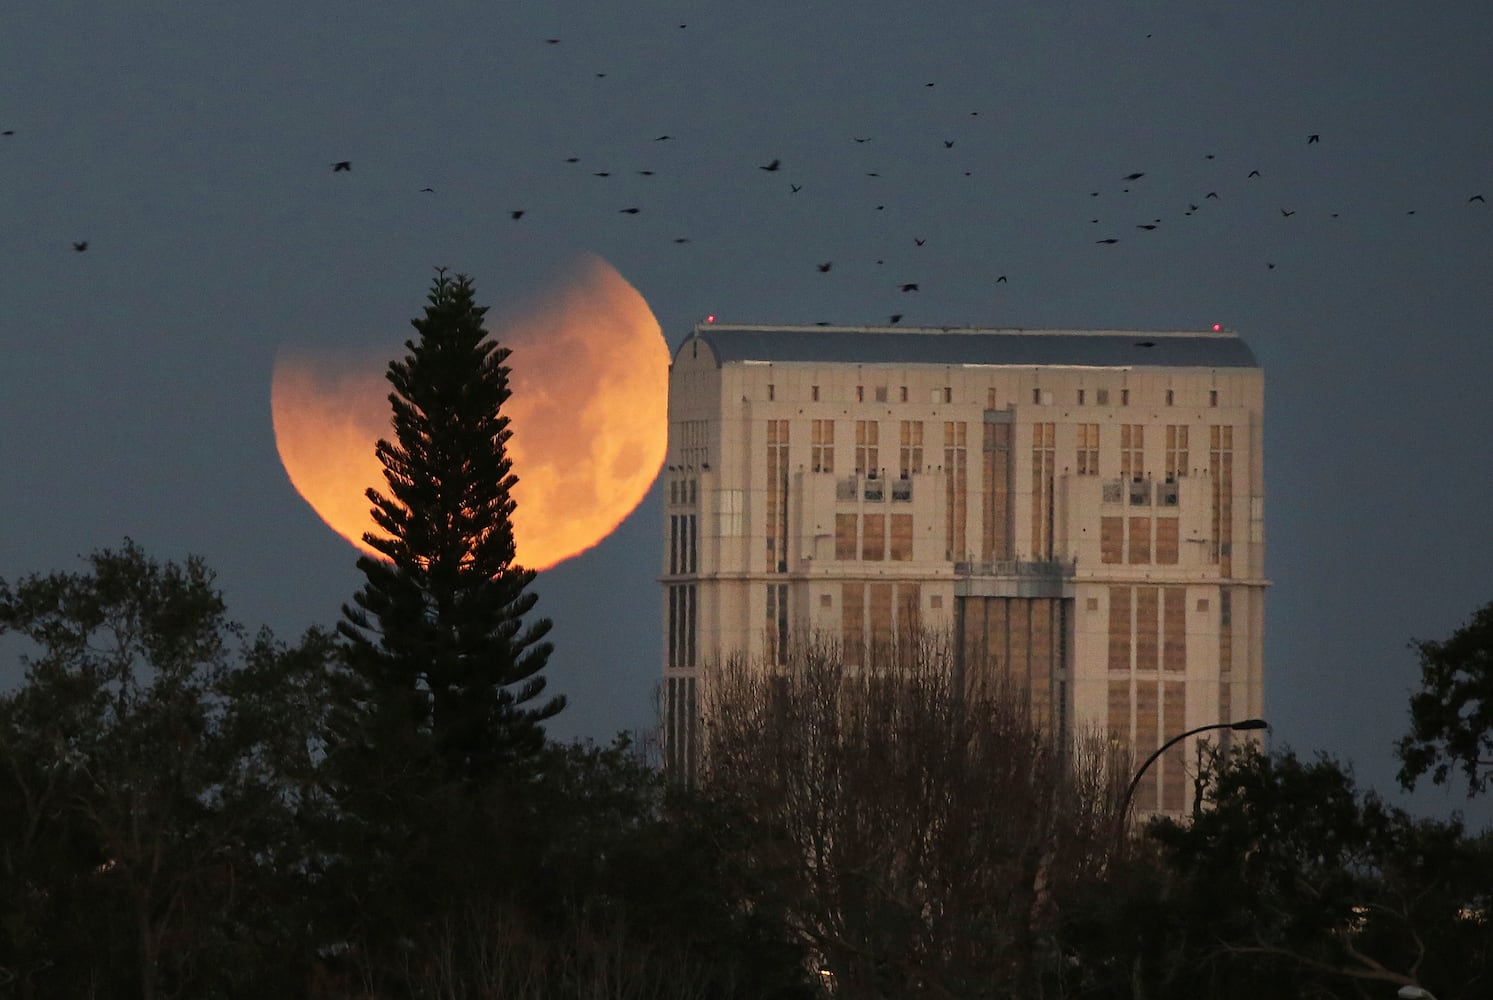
x=1135, y=781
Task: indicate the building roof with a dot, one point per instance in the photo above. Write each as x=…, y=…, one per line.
x=975, y=346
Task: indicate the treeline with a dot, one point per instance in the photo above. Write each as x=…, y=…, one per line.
x=186, y=810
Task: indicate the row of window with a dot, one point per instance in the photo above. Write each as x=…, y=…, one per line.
x=873, y=537
x=1040, y=396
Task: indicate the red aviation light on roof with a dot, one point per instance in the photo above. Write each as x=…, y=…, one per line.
x=1217, y=327
x=710, y=318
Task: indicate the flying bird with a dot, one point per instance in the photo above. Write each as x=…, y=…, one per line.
x=1476, y=197
x=775, y=164
x=517, y=213
x=870, y=173
x=1146, y=226
x=824, y=268
x=681, y=239
x=342, y=165
x=1314, y=137
x=910, y=287
x=552, y=41
x=427, y=190
x=645, y=173
x=1254, y=173
x=859, y=139
x=796, y=188
x=1002, y=280
x=572, y=159
x=895, y=317
x=919, y=240
x=1134, y=177
x=628, y=211
x=9, y=131
x=1110, y=240
x=1211, y=194
x=80, y=245
x=663, y=138
x=948, y=144
x=602, y=173
x=1287, y=214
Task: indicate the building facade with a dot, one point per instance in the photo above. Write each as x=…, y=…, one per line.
x=1084, y=509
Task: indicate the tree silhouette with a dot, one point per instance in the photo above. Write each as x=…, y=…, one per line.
x=446, y=669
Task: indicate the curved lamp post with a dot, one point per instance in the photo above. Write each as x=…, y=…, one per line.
x=1241, y=726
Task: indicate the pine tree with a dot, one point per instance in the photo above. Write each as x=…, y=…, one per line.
x=448, y=671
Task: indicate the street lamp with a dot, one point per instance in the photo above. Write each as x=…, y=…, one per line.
x=1241, y=726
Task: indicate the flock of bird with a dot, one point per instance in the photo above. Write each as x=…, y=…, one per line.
x=1128, y=184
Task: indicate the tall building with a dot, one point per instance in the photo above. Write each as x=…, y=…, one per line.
x=1083, y=508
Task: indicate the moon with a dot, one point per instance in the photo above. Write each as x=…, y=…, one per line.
x=588, y=411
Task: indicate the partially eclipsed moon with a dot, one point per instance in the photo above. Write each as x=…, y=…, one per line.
x=589, y=415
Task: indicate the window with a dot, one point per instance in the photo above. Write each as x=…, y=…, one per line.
x=904, y=394
x=1176, y=450
x=881, y=394
x=1132, y=451
x=873, y=537
x=867, y=450
x=860, y=394
x=948, y=394
x=826, y=601
x=814, y=393
x=1088, y=449
x=682, y=625
x=1080, y=397
x=901, y=548
x=822, y=446
x=990, y=398
x=777, y=623
x=771, y=392
x=845, y=540
x=1037, y=396
x=1170, y=397
x=1212, y=397
x=911, y=454
x=1124, y=397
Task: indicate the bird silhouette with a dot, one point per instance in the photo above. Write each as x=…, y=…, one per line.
x=602, y=173
x=1254, y=173
x=517, y=213
x=427, y=190
x=1134, y=177
x=341, y=166
x=859, y=139
x=948, y=144
x=895, y=317
x=80, y=245
x=1211, y=194
x=1269, y=266
x=1110, y=240
x=552, y=41
x=663, y=138
x=645, y=173
x=796, y=188
x=910, y=287
x=1476, y=197
x=1288, y=214
x=872, y=174
x=1146, y=226
x=919, y=240
x=681, y=239
x=1314, y=137
x=628, y=211
x=1002, y=280
x=572, y=159
x=824, y=268
x=775, y=164
x=9, y=131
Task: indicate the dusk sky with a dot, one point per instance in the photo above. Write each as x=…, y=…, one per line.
x=191, y=147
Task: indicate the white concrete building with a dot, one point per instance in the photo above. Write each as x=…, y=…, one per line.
x=1085, y=507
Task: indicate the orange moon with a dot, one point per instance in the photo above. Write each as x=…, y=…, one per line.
x=589, y=377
